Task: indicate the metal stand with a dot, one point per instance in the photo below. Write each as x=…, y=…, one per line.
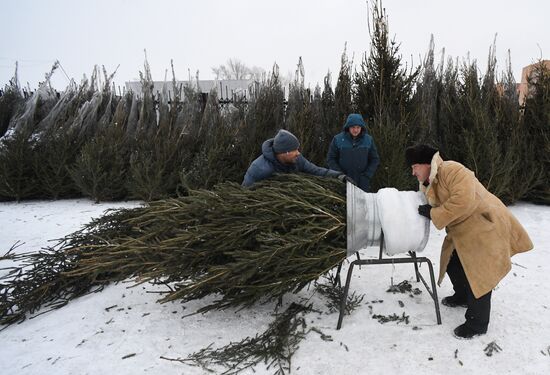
x=337, y=276
x=413, y=259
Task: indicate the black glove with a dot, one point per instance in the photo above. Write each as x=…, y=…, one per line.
x=424, y=210
x=342, y=177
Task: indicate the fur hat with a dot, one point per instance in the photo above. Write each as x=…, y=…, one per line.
x=419, y=154
x=285, y=141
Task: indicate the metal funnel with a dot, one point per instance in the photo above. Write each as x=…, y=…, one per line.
x=369, y=215
x=363, y=222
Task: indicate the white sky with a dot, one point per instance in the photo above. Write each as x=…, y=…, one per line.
x=201, y=34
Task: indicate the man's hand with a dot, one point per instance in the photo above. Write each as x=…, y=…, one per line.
x=424, y=210
x=342, y=177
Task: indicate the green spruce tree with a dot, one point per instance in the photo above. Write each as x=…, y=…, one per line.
x=383, y=93
x=536, y=128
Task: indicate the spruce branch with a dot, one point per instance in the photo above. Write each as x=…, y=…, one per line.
x=274, y=347
x=243, y=245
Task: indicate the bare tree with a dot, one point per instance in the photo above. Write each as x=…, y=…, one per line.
x=236, y=69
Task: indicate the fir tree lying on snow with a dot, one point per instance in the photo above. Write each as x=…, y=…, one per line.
x=242, y=245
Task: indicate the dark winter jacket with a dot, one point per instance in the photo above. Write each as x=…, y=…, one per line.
x=357, y=158
x=267, y=164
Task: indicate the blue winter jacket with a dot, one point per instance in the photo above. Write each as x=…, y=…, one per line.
x=267, y=164
x=357, y=158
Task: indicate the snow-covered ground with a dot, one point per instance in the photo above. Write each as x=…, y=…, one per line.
x=122, y=330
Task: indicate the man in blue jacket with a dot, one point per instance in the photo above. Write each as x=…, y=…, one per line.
x=353, y=152
x=281, y=155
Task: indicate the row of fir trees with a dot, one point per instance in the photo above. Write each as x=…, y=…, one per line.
x=89, y=141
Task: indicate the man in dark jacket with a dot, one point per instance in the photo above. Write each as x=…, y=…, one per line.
x=353, y=152
x=281, y=155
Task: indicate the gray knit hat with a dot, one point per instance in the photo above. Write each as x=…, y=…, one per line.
x=285, y=141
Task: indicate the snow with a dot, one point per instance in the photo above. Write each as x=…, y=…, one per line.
x=123, y=330
x=404, y=229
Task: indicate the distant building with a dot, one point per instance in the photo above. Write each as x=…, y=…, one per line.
x=523, y=87
x=226, y=89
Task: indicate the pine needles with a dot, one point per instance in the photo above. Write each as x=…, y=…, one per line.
x=333, y=293
x=243, y=245
x=50, y=278
x=274, y=347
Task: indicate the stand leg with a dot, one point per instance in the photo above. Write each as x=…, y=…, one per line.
x=413, y=255
x=345, y=296
x=434, y=292
x=337, y=276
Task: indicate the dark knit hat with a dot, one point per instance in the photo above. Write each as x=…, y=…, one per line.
x=285, y=141
x=419, y=154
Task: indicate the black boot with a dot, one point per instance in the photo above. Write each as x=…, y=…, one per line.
x=454, y=301
x=465, y=332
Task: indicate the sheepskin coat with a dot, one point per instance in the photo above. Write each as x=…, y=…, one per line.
x=479, y=226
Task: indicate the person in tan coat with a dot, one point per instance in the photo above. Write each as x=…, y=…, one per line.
x=482, y=234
